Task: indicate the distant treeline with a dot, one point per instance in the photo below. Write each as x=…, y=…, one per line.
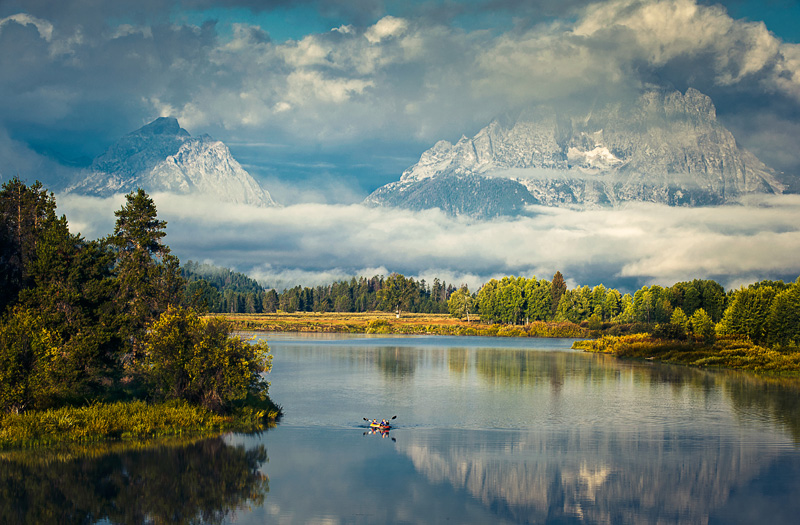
x=220, y=290
x=767, y=312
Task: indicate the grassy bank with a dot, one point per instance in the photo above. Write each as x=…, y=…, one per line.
x=731, y=352
x=127, y=421
x=388, y=323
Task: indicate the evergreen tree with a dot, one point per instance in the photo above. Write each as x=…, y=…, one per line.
x=557, y=289
x=148, y=277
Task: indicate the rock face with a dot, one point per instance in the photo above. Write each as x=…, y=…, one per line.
x=163, y=157
x=667, y=147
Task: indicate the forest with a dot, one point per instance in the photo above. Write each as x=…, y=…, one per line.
x=766, y=312
x=103, y=321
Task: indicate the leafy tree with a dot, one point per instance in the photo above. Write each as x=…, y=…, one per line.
x=749, y=313
x=200, y=361
x=575, y=305
x=679, y=320
x=488, y=305
x=511, y=299
x=29, y=361
x=702, y=325
x=396, y=293
x=537, y=300
x=784, y=317
x=613, y=304
x=460, y=303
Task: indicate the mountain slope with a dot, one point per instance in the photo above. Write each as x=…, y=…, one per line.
x=667, y=147
x=163, y=157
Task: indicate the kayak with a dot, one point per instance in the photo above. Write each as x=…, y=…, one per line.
x=379, y=426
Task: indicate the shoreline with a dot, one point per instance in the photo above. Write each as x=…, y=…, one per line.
x=725, y=353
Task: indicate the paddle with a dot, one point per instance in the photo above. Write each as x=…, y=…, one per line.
x=365, y=419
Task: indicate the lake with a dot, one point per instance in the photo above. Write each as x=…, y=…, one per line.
x=488, y=430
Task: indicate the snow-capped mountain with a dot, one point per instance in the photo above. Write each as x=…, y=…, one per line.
x=163, y=157
x=667, y=147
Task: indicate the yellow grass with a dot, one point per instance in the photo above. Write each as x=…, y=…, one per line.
x=388, y=323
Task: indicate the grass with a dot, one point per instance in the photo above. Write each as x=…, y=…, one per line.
x=388, y=323
x=730, y=352
x=126, y=421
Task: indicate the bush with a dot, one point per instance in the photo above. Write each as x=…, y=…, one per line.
x=199, y=361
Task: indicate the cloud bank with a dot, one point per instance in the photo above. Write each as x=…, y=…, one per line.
x=310, y=244
x=76, y=77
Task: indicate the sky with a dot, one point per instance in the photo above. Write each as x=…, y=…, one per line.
x=323, y=101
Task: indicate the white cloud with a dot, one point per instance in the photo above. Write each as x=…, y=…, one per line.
x=315, y=243
x=386, y=27
x=44, y=27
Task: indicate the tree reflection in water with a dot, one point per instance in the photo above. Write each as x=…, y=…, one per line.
x=202, y=482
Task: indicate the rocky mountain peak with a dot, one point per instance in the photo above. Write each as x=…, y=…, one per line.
x=163, y=157
x=665, y=146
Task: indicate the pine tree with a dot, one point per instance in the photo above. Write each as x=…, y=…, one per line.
x=148, y=277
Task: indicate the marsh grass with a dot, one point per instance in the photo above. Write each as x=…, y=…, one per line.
x=388, y=323
x=731, y=352
x=135, y=420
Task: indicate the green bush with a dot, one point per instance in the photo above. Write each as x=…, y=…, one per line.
x=198, y=360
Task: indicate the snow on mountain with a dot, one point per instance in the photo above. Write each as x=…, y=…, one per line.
x=667, y=147
x=163, y=157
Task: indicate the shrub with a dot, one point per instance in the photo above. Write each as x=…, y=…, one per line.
x=199, y=361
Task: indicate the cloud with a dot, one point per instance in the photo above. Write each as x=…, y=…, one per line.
x=627, y=247
x=413, y=77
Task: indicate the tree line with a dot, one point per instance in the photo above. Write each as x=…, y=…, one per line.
x=766, y=312
x=221, y=290
x=103, y=320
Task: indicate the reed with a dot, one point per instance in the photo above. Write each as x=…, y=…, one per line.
x=730, y=352
x=388, y=323
x=133, y=420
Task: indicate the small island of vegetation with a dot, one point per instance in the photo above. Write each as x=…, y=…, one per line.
x=96, y=341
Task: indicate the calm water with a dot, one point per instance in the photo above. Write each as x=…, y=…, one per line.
x=487, y=431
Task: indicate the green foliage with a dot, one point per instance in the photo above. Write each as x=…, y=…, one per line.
x=558, y=287
x=460, y=303
x=396, y=293
x=77, y=311
x=200, y=361
x=26, y=213
x=702, y=326
x=748, y=313
x=784, y=317
x=29, y=361
x=147, y=276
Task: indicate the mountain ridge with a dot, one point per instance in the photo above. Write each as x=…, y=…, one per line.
x=163, y=157
x=667, y=147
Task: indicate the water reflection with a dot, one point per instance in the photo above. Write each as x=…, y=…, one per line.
x=590, y=477
x=507, y=434
x=202, y=482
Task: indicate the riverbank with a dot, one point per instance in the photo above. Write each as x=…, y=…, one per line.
x=389, y=323
x=133, y=420
x=730, y=352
